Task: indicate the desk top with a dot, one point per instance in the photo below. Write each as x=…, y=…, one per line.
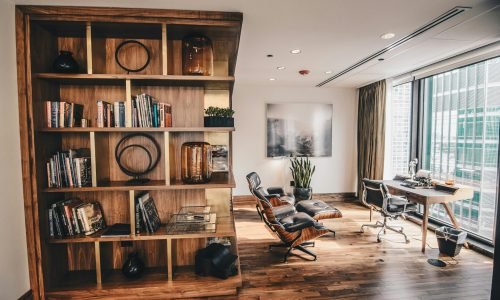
x=430, y=196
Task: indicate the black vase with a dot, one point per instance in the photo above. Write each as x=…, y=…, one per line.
x=133, y=267
x=302, y=193
x=65, y=63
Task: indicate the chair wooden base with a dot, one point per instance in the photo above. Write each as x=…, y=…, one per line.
x=301, y=247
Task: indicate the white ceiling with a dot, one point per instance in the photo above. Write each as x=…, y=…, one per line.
x=334, y=34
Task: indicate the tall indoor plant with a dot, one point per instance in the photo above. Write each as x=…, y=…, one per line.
x=302, y=171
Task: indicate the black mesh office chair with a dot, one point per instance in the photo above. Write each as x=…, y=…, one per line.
x=377, y=197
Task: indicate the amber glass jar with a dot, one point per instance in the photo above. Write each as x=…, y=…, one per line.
x=196, y=162
x=197, y=56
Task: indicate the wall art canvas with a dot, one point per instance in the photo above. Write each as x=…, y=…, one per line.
x=299, y=129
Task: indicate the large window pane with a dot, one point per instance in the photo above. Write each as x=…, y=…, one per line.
x=461, y=137
x=399, y=122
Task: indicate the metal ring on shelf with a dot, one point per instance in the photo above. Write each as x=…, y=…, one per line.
x=132, y=42
x=151, y=165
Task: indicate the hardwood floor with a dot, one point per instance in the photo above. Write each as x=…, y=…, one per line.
x=354, y=265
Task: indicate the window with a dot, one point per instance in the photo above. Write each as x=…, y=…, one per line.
x=399, y=118
x=461, y=137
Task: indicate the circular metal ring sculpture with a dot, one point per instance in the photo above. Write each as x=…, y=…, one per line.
x=152, y=162
x=132, y=42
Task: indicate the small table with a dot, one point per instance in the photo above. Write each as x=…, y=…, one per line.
x=427, y=197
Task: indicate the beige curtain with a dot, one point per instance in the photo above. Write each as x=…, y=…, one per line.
x=371, y=132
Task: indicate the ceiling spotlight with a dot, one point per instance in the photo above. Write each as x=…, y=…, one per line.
x=272, y=79
x=270, y=55
x=381, y=59
x=281, y=68
x=295, y=51
x=387, y=36
x=328, y=72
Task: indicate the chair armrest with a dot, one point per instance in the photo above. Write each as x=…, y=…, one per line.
x=275, y=200
x=276, y=190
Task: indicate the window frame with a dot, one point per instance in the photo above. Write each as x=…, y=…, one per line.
x=417, y=137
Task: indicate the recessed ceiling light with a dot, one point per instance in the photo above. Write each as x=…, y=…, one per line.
x=381, y=59
x=272, y=79
x=295, y=51
x=281, y=68
x=328, y=72
x=270, y=55
x=387, y=36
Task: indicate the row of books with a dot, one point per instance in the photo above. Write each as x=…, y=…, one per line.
x=110, y=115
x=146, y=214
x=60, y=114
x=69, y=169
x=74, y=217
x=147, y=112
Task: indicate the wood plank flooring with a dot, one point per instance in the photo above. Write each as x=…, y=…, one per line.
x=354, y=265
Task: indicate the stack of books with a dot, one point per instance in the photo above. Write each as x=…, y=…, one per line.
x=60, y=114
x=70, y=168
x=146, y=214
x=147, y=112
x=74, y=217
x=110, y=115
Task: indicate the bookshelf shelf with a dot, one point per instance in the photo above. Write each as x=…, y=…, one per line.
x=137, y=129
x=79, y=266
x=186, y=283
x=224, y=228
x=219, y=181
x=210, y=82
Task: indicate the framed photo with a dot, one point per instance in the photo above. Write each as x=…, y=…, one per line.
x=299, y=129
x=220, y=161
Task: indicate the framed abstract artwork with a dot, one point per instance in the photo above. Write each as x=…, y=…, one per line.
x=299, y=129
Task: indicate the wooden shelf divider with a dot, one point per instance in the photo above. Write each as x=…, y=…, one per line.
x=164, y=49
x=88, y=37
x=128, y=103
x=98, y=272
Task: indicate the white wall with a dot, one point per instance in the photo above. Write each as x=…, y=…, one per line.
x=14, y=279
x=336, y=174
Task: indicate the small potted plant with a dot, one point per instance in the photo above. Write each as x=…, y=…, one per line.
x=219, y=117
x=302, y=171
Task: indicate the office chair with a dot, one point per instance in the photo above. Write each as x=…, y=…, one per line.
x=295, y=229
x=376, y=196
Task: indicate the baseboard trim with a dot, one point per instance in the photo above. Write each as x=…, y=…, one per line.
x=249, y=200
x=27, y=296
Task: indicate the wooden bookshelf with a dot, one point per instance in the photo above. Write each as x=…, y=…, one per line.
x=89, y=266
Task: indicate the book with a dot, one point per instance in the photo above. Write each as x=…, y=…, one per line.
x=117, y=230
x=150, y=213
x=92, y=217
x=70, y=168
x=148, y=112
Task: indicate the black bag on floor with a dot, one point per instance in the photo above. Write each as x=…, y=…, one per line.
x=215, y=260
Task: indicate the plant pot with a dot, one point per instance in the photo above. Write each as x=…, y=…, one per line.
x=302, y=193
x=218, y=122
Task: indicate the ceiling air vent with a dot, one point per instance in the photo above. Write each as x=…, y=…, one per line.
x=442, y=18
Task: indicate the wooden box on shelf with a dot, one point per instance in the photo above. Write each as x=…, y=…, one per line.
x=82, y=265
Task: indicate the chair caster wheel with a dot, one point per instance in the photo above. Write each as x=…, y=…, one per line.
x=379, y=240
x=407, y=241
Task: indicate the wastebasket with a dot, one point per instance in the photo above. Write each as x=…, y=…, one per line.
x=450, y=240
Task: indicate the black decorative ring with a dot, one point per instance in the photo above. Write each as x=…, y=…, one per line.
x=132, y=42
x=151, y=164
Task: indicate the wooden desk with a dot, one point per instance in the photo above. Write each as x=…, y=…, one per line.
x=427, y=197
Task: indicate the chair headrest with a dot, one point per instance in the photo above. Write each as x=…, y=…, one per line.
x=253, y=180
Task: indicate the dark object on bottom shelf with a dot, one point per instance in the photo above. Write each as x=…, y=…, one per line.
x=450, y=240
x=215, y=260
x=133, y=267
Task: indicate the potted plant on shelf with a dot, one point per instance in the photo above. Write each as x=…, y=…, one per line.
x=219, y=117
x=302, y=171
